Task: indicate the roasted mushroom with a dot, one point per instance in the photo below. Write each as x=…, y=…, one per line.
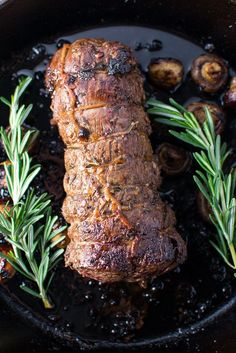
x=210, y=72
x=166, y=73
x=218, y=116
x=230, y=95
x=4, y=194
x=63, y=244
x=203, y=207
x=6, y=269
x=4, y=208
x=173, y=159
x=3, y=182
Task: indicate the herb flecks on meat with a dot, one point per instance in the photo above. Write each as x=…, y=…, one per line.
x=120, y=229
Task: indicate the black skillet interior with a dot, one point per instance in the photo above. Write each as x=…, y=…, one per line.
x=204, y=22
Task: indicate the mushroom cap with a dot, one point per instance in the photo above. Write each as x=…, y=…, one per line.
x=166, y=73
x=218, y=115
x=6, y=269
x=230, y=95
x=173, y=159
x=210, y=72
x=203, y=207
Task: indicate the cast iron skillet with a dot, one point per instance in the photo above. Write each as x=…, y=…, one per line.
x=21, y=25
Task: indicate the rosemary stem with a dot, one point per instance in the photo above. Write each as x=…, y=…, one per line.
x=46, y=301
x=34, y=253
x=216, y=186
x=233, y=253
x=47, y=304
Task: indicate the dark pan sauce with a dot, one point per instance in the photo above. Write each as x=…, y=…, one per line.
x=93, y=310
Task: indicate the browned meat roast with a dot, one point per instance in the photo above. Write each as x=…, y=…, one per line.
x=120, y=229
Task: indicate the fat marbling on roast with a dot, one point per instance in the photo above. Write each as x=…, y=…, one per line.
x=120, y=229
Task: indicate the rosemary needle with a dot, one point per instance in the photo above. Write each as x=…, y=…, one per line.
x=216, y=186
x=29, y=224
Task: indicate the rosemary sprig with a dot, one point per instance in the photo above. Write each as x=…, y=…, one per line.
x=28, y=225
x=216, y=186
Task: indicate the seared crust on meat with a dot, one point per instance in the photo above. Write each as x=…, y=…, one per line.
x=120, y=229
